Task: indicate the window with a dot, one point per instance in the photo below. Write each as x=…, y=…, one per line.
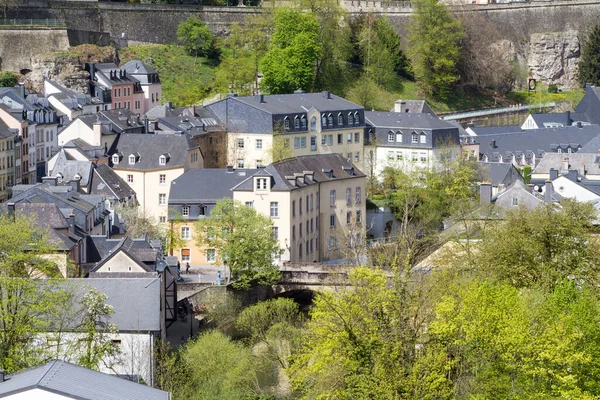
x=515, y=201
x=211, y=255
x=294, y=232
x=357, y=137
x=358, y=215
x=275, y=233
x=250, y=204
x=240, y=163
x=331, y=243
x=356, y=118
x=415, y=138
x=162, y=179
x=274, y=209
x=350, y=119
x=323, y=121
x=329, y=140
x=303, y=142
x=330, y=120
x=300, y=250
x=258, y=144
x=332, y=221
x=390, y=136
x=261, y=184
x=312, y=228
x=300, y=206
x=399, y=156
x=313, y=124
x=569, y=150
x=293, y=208
x=300, y=229
x=286, y=123
x=240, y=143
x=349, y=137
x=307, y=228
x=332, y=198
x=115, y=158
x=296, y=142
x=162, y=220
x=311, y=245
x=313, y=143
x=162, y=199
x=131, y=159
x=399, y=137
x=185, y=255
x=340, y=138
x=129, y=178
x=349, y=217
x=414, y=156
x=348, y=196
x=323, y=140
x=340, y=119
x=311, y=202
x=185, y=233
x=349, y=158
x=423, y=138
x=357, y=156
x=317, y=223
x=303, y=122
x=296, y=123
x=307, y=208
x=357, y=199
x=423, y=157
x=390, y=155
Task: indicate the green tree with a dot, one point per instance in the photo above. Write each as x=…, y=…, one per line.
x=244, y=242
x=197, y=38
x=237, y=70
x=434, y=47
x=8, y=78
x=289, y=63
x=589, y=63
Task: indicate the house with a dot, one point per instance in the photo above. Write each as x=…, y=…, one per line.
x=407, y=141
x=70, y=104
x=150, y=162
x=192, y=196
x=114, y=85
x=149, y=82
x=553, y=120
x=590, y=104
x=529, y=146
x=308, y=123
x=587, y=165
x=499, y=175
x=7, y=160
x=66, y=170
x=316, y=203
x=125, y=255
x=572, y=186
x=412, y=106
x=516, y=195
x=101, y=129
x=57, y=380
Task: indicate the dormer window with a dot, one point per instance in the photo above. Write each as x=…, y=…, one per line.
x=415, y=138
x=390, y=136
x=323, y=121
x=296, y=122
x=350, y=118
x=559, y=150
x=59, y=177
x=330, y=120
x=303, y=122
x=185, y=211
x=399, y=137
x=313, y=124
x=356, y=118
x=569, y=150
x=340, y=119
x=261, y=183
x=162, y=160
x=131, y=159
x=286, y=123
x=423, y=138
x=115, y=158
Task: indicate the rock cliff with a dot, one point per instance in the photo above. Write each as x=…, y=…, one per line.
x=553, y=58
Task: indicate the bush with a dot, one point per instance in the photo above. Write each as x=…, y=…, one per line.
x=8, y=78
x=552, y=88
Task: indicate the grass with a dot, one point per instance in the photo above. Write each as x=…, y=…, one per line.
x=185, y=79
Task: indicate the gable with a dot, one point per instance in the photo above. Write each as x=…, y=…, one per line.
x=567, y=188
x=120, y=262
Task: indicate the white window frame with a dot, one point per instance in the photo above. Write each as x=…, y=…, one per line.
x=162, y=160
x=131, y=159
x=115, y=158
x=185, y=233
x=185, y=211
x=332, y=198
x=274, y=209
x=211, y=255
x=259, y=144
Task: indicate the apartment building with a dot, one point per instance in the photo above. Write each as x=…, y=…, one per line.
x=316, y=202
x=309, y=123
x=114, y=85
x=149, y=82
x=150, y=162
x=7, y=160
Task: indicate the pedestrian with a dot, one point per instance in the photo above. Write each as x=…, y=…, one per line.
x=187, y=267
x=178, y=268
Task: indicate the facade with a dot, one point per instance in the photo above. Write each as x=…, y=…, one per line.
x=25, y=170
x=316, y=203
x=7, y=160
x=309, y=123
x=149, y=82
x=109, y=83
x=70, y=104
x=192, y=197
x=149, y=163
x=407, y=141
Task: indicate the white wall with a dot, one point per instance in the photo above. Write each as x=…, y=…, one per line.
x=36, y=394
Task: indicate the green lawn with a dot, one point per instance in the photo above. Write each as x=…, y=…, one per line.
x=185, y=79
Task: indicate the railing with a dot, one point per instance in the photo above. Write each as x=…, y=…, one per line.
x=32, y=22
x=494, y=111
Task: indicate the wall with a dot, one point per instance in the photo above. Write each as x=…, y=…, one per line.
x=19, y=46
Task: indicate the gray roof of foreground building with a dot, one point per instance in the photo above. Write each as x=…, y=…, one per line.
x=136, y=67
x=107, y=182
x=396, y=120
x=70, y=169
x=297, y=102
x=135, y=301
x=539, y=140
x=321, y=166
x=496, y=172
x=591, y=162
x=120, y=120
x=206, y=185
x=147, y=148
x=496, y=130
x=73, y=381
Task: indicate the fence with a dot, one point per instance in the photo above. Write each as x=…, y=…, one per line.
x=494, y=111
x=32, y=22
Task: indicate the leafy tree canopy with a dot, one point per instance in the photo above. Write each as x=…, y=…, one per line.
x=589, y=63
x=197, y=38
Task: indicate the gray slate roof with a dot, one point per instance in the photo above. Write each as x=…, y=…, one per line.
x=206, y=185
x=297, y=102
x=590, y=104
x=149, y=147
x=137, y=67
x=135, y=301
x=68, y=169
x=77, y=382
x=319, y=164
x=590, y=161
x=120, y=120
x=405, y=120
x=495, y=172
x=106, y=182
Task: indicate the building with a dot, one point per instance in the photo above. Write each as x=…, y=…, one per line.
x=407, y=141
x=121, y=257
x=192, y=196
x=587, y=165
x=150, y=162
x=149, y=82
x=114, y=85
x=554, y=120
x=309, y=123
x=57, y=380
x=499, y=175
x=7, y=160
x=316, y=203
x=70, y=104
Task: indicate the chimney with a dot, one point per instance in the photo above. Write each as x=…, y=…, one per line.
x=579, y=124
x=581, y=170
x=168, y=105
x=572, y=175
x=548, y=191
x=71, y=222
x=485, y=192
x=568, y=118
x=11, y=210
x=328, y=95
x=261, y=98
x=50, y=180
x=553, y=174
x=493, y=144
x=230, y=169
x=564, y=166
x=2, y=377
x=75, y=184
x=97, y=134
